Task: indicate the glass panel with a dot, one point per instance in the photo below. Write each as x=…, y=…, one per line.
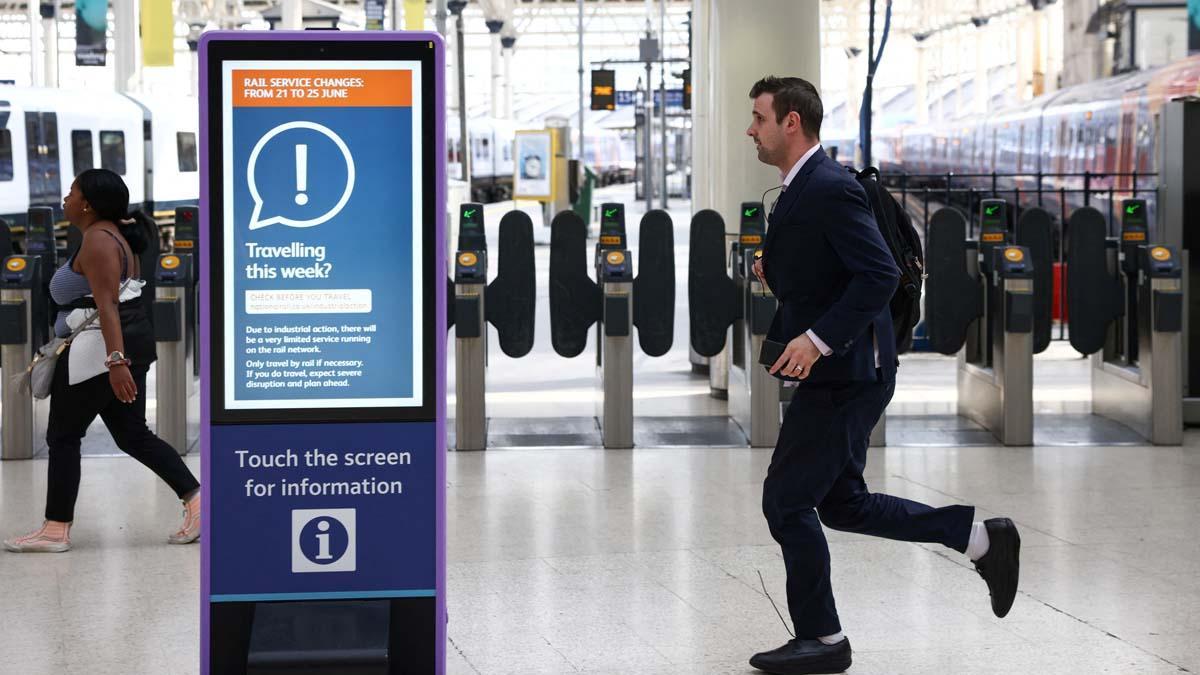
x=82, y=158
x=112, y=151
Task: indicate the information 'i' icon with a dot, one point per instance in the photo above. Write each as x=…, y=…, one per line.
x=323, y=539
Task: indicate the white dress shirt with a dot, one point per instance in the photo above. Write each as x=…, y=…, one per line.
x=787, y=180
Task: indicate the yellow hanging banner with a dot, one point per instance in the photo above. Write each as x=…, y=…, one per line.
x=158, y=33
x=414, y=14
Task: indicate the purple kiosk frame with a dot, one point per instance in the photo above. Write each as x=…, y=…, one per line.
x=243, y=565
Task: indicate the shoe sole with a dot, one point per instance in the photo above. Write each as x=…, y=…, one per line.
x=181, y=542
x=48, y=548
x=1014, y=555
x=815, y=669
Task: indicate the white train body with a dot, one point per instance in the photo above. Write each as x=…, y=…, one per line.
x=48, y=136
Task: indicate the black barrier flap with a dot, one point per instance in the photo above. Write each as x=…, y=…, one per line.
x=449, y=304
x=512, y=296
x=713, y=302
x=574, y=297
x=953, y=299
x=13, y=328
x=612, y=226
x=752, y=225
x=168, y=314
x=654, y=287
x=1035, y=233
x=148, y=259
x=471, y=236
x=6, y=247
x=1094, y=295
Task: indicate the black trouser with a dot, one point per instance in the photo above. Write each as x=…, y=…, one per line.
x=72, y=410
x=817, y=472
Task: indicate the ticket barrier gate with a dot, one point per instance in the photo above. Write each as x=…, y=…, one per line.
x=507, y=303
x=187, y=241
x=1125, y=304
x=24, y=323
x=983, y=304
x=615, y=302
x=731, y=313
x=39, y=239
x=173, y=294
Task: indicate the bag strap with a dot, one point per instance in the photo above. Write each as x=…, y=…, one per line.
x=91, y=319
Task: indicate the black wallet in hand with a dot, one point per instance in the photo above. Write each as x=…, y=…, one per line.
x=769, y=354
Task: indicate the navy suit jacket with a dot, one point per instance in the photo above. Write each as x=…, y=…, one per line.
x=827, y=263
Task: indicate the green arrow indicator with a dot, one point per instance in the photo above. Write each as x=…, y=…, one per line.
x=749, y=213
x=990, y=210
x=609, y=213
x=1132, y=208
x=469, y=214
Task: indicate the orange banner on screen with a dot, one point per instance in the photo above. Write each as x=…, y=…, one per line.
x=316, y=88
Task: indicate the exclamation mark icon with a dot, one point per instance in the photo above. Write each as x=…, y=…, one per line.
x=301, y=174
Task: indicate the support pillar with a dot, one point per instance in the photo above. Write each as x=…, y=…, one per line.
x=49, y=11
x=726, y=63
x=508, y=43
x=1024, y=52
x=856, y=69
x=921, y=84
x=293, y=15
x=983, y=92
x=494, y=26
x=37, y=77
x=127, y=48
x=955, y=62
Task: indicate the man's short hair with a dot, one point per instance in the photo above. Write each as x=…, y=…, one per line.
x=793, y=94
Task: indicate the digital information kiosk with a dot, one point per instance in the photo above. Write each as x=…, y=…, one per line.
x=323, y=336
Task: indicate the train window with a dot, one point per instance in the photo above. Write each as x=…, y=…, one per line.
x=82, y=158
x=6, y=155
x=112, y=151
x=185, y=143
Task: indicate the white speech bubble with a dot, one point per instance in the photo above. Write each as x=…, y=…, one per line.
x=255, y=223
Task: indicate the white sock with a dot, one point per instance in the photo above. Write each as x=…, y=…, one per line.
x=832, y=639
x=977, y=545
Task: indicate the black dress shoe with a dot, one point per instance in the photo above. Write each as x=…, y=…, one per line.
x=1001, y=565
x=804, y=657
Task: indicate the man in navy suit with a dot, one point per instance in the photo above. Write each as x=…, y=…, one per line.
x=827, y=264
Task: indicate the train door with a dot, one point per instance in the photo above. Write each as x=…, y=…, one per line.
x=45, y=180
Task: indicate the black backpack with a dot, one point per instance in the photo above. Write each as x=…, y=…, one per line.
x=902, y=239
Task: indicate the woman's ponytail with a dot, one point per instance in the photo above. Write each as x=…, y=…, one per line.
x=139, y=230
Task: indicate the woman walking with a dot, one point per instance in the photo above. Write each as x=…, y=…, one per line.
x=103, y=372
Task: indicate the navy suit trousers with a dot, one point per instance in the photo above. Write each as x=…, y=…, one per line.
x=816, y=476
